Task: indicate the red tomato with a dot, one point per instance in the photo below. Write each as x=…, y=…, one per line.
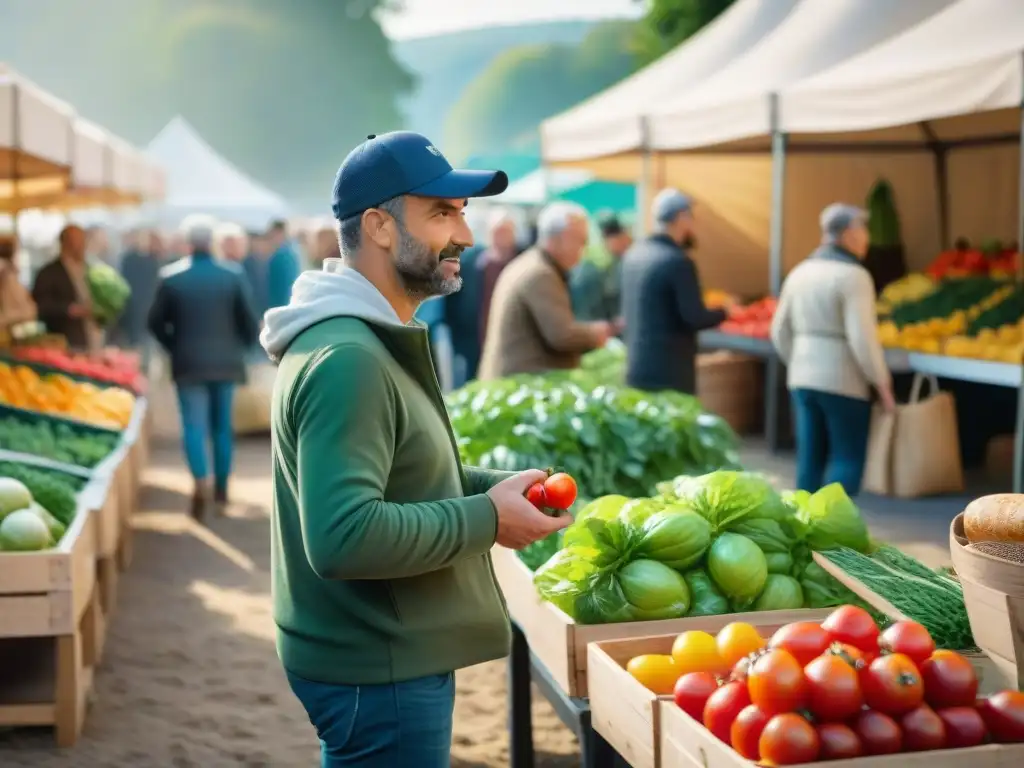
x=804, y=639
x=855, y=657
x=964, y=727
x=535, y=495
x=922, y=730
x=777, y=683
x=742, y=667
x=560, y=490
x=692, y=691
x=746, y=732
x=949, y=680
x=853, y=626
x=789, y=739
x=892, y=684
x=838, y=742
x=879, y=734
x=833, y=689
x=1003, y=714
x=722, y=708
x=909, y=638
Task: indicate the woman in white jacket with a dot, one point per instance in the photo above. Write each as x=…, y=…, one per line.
x=825, y=331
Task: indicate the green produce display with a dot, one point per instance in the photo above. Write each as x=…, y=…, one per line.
x=109, y=292
x=54, y=491
x=59, y=442
x=934, y=599
x=611, y=439
x=25, y=524
x=949, y=297
x=620, y=558
x=1008, y=311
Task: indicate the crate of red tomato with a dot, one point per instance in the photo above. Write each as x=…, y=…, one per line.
x=805, y=693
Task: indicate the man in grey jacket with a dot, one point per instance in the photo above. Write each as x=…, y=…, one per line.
x=662, y=304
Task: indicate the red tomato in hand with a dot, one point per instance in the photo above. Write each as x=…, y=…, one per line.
x=804, y=639
x=723, y=707
x=838, y=742
x=692, y=691
x=949, y=680
x=879, y=734
x=777, y=683
x=789, y=739
x=536, y=496
x=560, y=490
x=964, y=727
x=1003, y=713
x=833, y=689
x=909, y=638
x=853, y=626
x=922, y=730
x=746, y=732
x=892, y=684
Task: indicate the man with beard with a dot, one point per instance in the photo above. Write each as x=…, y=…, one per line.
x=382, y=578
x=663, y=307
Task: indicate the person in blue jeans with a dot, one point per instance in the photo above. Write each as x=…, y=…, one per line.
x=825, y=330
x=203, y=316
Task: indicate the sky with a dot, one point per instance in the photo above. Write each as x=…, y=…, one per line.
x=431, y=17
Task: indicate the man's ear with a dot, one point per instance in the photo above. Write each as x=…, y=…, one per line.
x=379, y=228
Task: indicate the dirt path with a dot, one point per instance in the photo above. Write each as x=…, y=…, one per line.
x=190, y=678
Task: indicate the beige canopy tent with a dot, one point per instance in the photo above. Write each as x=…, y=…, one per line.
x=50, y=158
x=606, y=134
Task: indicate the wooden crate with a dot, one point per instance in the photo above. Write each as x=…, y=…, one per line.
x=560, y=643
x=730, y=385
x=685, y=743
x=624, y=711
x=51, y=632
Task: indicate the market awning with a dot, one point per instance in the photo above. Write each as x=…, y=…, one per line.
x=964, y=60
x=612, y=122
x=736, y=103
x=35, y=129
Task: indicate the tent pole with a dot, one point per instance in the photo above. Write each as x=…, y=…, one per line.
x=1018, y=435
x=773, y=395
x=643, y=185
x=941, y=155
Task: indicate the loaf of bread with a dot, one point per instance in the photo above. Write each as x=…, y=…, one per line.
x=998, y=518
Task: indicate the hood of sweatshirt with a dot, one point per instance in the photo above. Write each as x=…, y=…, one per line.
x=336, y=291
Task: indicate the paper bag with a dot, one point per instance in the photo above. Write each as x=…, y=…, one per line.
x=916, y=451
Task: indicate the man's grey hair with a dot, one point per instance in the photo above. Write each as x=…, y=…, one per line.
x=199, y=230
x=350, y=230
x=555, y=218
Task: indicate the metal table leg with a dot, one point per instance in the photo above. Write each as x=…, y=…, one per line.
x=520, y=717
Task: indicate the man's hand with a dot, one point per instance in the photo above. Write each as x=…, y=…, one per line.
x=886, y=398
x=603, y=330
x=79, y=311
x=519, y=522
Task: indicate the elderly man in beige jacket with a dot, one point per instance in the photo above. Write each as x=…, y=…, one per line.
x=825, y=331
x=531, y=327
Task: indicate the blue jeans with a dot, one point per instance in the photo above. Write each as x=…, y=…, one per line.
x=206, y=419
x=381, y=726
x=831, y=439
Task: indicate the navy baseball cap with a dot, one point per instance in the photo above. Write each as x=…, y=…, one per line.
x=404, y=163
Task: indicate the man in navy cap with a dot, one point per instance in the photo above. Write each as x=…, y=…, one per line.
x=382, y=579
x=663, y=307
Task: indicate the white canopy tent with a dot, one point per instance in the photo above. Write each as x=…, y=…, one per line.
x=199, y=180
x=612, y=122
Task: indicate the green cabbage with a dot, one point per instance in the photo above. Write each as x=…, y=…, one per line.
x=796, y=499
x=566, y=576
x=738, y=567
x=833, y=520
x=779, y=562
x=705, y=599
x=604, y=508
x=613, y=539
x=643, y=590
x=727, y=498
x=676, y=537
x=769, y=535
x=636, y=511
x=24, y=531
x=780, y=593
x=822, y=589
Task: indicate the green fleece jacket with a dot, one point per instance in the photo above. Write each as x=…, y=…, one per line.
x=380, y=537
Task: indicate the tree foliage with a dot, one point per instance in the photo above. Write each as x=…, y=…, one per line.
x=521, y=87
x=668, y=23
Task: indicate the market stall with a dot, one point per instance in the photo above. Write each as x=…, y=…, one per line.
x=73, y=441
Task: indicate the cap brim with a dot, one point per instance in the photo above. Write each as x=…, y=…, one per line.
x=459, y=184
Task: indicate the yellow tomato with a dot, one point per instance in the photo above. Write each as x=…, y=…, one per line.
x=695, y=651
x=738, y=640
x=656, y=672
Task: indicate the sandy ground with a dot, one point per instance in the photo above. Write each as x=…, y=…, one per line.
x=190, y=678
